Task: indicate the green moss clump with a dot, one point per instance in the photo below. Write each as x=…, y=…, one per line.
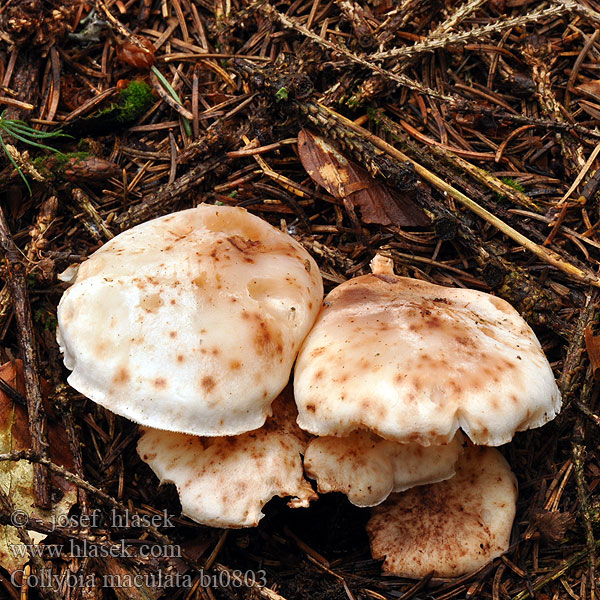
x=353, y=102
x=513, y=183
x=134, y=101
x=282, y=94
x=374, y=115
x=46, y=319
x=62, y=159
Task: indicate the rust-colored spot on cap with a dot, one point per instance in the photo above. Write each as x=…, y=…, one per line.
x=208, y=383
x=122, y=376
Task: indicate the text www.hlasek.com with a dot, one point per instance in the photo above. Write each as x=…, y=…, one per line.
x=93, y=550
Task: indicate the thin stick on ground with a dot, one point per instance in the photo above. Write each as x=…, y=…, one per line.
x=399, y=79
x=37, y=419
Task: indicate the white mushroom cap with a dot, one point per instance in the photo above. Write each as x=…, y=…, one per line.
x=448, y=528
x=413, y=362
x=368, y=468
x=225, y=482
x=190, y=322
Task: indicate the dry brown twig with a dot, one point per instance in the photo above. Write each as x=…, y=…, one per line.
x=36, y=417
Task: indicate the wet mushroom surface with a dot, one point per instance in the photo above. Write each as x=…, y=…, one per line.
x=368, y=468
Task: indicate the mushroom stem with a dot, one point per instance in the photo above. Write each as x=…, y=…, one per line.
x=382, y=265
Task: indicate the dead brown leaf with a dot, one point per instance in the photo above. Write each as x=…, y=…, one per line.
x=59, y=451
x=592, y=344
x=344, y=179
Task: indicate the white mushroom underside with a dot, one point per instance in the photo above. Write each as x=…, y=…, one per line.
x=448, y=528
x=225, y=482
x=413, y=361
x=190, y=322
x=368, y=468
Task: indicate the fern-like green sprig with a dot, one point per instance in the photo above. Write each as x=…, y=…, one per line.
x=19, y=130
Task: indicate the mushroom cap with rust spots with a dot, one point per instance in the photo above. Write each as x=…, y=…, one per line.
x=448, y=528
x=413, y=362
x=226, y=481
x=190, y=322
x=368, y=468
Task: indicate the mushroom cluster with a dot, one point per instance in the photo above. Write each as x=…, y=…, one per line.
x=190, y=324
x=407, y=364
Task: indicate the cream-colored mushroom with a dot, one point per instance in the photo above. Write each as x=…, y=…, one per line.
x=414, y=362
x=448, y=528
x=226, y=481
x=368, y=468
x=190, y=322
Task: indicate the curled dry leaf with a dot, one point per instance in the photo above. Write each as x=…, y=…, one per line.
x=342, y=178
x=592, y=345
x=16, y=478
x=139, y=56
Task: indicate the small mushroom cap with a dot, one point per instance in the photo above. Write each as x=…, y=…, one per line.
x=448, y=528
x=413, y=362
x=226, y=481
x=368, y=468
x=190, y=322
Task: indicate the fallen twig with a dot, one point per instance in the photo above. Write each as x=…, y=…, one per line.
x=36, y=417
